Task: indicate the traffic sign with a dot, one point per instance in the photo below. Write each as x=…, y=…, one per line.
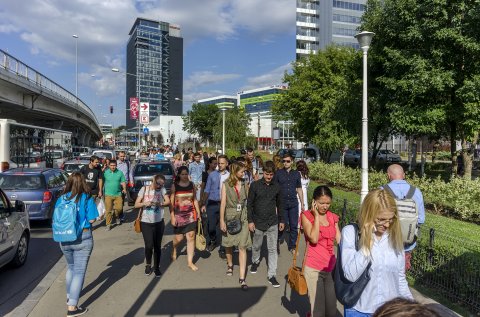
x=145, y=130
x=144, y=112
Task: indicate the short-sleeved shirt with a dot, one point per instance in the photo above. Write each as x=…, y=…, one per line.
x=321, y=256
x=113, y=181
x=92, y=175
x=289, y=182
x=154, y=213
x=87, y=210
x=195, y=171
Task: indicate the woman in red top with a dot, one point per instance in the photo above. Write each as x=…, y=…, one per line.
x=321, y=230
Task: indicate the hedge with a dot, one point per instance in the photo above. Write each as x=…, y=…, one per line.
x=458, y=198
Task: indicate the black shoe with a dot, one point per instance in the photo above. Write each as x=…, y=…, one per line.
x=157, y=272
x=77, y=312
x=274, y=282
x=254, y=267
x=211, y=247
x=222, y=255
x=278, y=249
x=148, y=270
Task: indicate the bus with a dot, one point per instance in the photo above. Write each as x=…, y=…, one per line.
x=24, y=145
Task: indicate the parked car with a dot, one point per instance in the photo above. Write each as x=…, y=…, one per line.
x=352, y=157
x=143, y=173
x=38, y=188
x=309, y=155
x=105, y=154
x=55, y=158
x=74, y=165
x=388, y=156
x=14, y=232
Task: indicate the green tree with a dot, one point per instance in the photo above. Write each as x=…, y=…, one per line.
x=237, y=131
x=426, y=57
x=201, y=120
x=323, y=100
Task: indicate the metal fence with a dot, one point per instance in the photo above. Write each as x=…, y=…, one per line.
x=441, y=263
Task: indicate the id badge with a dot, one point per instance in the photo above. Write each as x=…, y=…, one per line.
x=239, y=207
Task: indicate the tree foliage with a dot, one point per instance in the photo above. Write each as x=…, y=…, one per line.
x=201, y=120
x=237, y=131
x=426, y=63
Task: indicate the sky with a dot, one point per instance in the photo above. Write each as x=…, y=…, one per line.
x=229, y=45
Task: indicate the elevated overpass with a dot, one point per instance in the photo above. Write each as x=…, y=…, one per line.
x=28, y=96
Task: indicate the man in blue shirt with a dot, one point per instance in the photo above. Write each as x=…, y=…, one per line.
x=291, y=186
x=195, y=170
x=160, y=156
x=400, y=188
x=211, y=200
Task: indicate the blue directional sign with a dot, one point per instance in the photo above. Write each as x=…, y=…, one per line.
x=145, y=130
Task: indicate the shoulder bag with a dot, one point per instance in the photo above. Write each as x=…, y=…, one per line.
x=234, y=226
x=296, y=277
x=348, y=293
x=136, y=224
x=200, y=241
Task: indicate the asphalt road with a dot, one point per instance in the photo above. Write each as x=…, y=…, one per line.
x=16, y=284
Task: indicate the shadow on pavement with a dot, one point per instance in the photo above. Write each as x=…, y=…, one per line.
x=200, y=301
x=116, y=270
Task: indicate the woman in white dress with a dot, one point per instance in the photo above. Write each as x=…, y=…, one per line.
x=302, y=168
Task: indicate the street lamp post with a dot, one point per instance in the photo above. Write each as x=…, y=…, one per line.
x=116, y=70
x=75, y=36
x=364, y=39
x=258, y=125
x=224, y=106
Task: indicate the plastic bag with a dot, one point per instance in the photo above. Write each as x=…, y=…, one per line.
x=101, y=209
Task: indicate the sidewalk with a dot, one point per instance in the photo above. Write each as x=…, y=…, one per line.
x=115, y=284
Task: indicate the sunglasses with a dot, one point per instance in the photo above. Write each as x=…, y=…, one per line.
x=287, y=161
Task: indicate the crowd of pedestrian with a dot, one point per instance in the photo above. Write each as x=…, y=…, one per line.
x=241, y=200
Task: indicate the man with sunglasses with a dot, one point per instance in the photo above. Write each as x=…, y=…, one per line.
x=115, y=186
x=291, y=186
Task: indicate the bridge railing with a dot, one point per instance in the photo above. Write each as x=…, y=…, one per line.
x=13, y=65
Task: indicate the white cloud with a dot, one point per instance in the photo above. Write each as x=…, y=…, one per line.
x=274, y=77
x=198, y=79
x=8, y=28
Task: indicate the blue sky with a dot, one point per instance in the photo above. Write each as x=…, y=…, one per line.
x=229, y=45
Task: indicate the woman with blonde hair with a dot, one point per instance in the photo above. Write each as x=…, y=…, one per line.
x=233, y=211
x=177, y=162
x=380, y=243
x=277, y=159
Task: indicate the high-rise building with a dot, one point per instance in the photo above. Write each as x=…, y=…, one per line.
x=155, y=68
x=323, y=22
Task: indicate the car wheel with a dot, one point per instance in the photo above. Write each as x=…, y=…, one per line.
x=22, y=252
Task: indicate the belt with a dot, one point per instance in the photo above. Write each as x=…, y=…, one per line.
x=213, y=202
x=86, y=229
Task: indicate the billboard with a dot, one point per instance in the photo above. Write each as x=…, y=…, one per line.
x=133, y=108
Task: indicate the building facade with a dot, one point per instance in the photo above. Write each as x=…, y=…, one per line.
x=155, y=68
x=320, y=23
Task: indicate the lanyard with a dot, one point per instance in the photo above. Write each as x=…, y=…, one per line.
x=236, y=190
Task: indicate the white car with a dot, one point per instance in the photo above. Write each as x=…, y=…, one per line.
x=388, y=156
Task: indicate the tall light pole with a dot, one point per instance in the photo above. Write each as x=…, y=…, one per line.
x=75, y=36
x=258, y=125
x=224, y=106
x=116, y=70
x=364, y=39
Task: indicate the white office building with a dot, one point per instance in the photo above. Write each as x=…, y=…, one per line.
x=320, y=23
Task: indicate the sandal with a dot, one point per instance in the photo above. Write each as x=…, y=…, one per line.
x=229, y=270
x=243, y=284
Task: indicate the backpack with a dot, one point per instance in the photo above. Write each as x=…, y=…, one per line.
x=66, y=226
x=408, y=215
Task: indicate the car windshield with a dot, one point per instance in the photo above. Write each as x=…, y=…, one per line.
x=73, y=167
x=22, y=182
x=104, y=154
x=152, y=169
x=54, y=155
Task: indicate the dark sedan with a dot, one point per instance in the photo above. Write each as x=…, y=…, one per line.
x=143, y=173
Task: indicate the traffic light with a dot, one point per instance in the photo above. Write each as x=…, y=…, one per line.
x=111, y=109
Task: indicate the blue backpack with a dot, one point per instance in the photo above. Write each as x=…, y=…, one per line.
x=66, y=226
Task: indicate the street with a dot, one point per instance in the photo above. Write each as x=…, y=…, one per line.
x=16, y=284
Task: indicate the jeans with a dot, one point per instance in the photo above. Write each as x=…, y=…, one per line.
x=321, y=292
x=213, y=214
x=272, y=237
x=350, y=312
x=77, y=254
x=152, y=236
x=290, y=214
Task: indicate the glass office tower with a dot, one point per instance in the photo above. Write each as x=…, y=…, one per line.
x=155, y=68
x=320, y=23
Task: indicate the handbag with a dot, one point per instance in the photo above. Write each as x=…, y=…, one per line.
x=136, y=224
x=348, y=293
x=200, y=241
x=296, y=277
x=234, y=226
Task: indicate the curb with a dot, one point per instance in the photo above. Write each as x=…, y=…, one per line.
x=29, y=303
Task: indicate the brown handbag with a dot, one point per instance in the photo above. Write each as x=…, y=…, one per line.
x=200, y=241
x=136, y=224
x=296, y=278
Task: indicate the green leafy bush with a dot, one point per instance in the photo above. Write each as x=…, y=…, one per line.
x=458, y=197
